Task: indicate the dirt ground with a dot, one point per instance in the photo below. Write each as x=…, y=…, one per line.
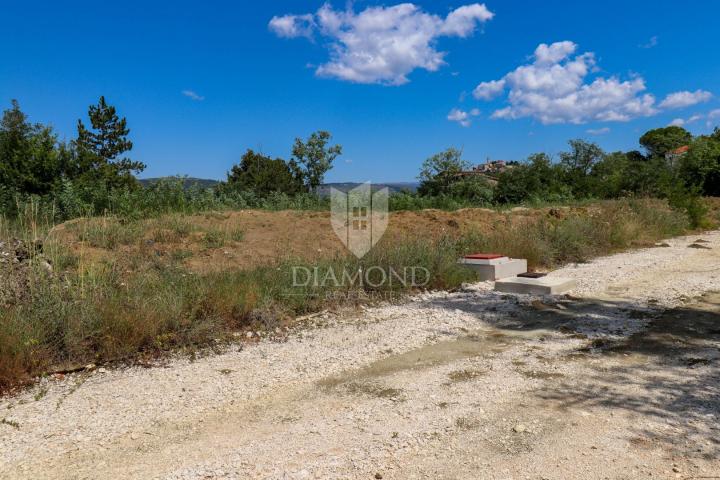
x=268, y=236
x=619, y=380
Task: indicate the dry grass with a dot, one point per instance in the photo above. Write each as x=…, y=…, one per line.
x=104, y=308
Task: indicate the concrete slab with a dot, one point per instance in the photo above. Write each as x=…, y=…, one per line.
x=484, y=256
x=535, y=286
x=481, y=261
x=507, y=268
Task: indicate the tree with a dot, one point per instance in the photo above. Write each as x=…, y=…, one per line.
x=536, y=179
x=263, y=175
x=440, y=171
x=315, y=157
x=99, y=149
x=699, y=168
x=659, y=141
x=31, y=160
x=578, y=163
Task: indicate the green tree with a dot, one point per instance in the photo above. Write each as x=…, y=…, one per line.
x=577, y=165
x=699, y=168
x=31, y=160
x=536, y=179
x=659, y=141
x=263, y=175
x=439, y=172
x=99, y=148
x=315, y=157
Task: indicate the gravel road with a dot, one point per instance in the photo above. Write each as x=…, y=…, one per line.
x=618, y=380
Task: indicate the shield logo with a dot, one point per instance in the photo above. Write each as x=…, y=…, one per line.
x=359, y=217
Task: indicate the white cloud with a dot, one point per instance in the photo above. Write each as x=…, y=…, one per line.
x=193, y=96
x=462, y=21
x=685, y=99
x=489, y=90
x=459, y=116
x=553, y=89
x=291, y=26
x=381, y=44
x=598, y=131
x=475, y=112
x=710, y=116
x=651, y=43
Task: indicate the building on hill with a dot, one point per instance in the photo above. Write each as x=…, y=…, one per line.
x=674, y=155
x=489, y=168
x=494, y=166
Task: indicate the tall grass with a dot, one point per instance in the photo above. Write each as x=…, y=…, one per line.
x=103, y=310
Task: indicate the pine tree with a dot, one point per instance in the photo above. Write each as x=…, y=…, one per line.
x=100, y=148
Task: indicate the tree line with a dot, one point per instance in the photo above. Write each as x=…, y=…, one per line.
x=93, y=174
x=585, y=171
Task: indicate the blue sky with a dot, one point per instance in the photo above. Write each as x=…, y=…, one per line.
x=384, y=78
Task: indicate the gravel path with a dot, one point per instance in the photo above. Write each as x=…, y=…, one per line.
x=471, y=384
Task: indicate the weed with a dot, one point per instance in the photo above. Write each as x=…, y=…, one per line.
x=99, y=311
x=214, y=238
x=11, y=423
x=42, y=391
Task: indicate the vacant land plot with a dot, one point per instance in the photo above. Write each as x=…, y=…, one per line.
x=618, y=381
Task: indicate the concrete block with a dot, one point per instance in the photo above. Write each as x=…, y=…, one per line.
x=535, y=286
x=482, y=261
x=507, y=268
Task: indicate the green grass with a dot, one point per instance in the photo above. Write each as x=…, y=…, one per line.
x=100, y=312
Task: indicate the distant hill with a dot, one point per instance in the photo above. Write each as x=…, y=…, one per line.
x=187, y=181
x=324, y=189
x=394, y=187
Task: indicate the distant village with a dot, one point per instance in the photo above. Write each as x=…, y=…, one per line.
x=490, y=168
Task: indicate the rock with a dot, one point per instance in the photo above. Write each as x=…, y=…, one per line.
x=378, y=476
x=662, y=244
x=249, y=334
x=698, y=245
x=46, y=265
x=519, y=428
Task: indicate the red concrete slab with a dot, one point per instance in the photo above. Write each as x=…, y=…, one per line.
x=483, y=256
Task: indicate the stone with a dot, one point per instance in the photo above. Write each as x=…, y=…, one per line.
x=535, y=286
x=519, y=428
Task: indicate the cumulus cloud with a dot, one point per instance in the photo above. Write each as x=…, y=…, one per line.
x=462, y=117
x=381, y=44
x=489, y=90
x=291, y=26
x=598, y=131
x=553, y=88
x=459, y=116
x=193, y=96
x=685, y=99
